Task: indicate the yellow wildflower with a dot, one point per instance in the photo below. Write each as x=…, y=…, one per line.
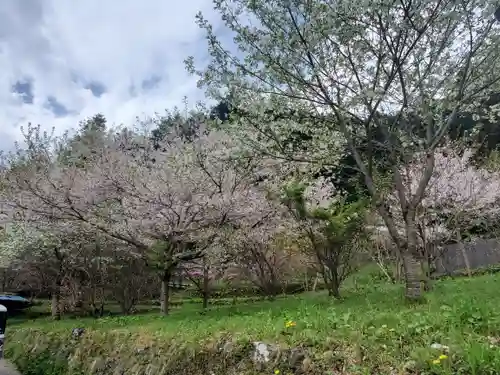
x=276, y=371
x=442, y=357
x=290, y=324
x=436, y=361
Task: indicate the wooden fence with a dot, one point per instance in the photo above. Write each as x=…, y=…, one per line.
x=480, y=253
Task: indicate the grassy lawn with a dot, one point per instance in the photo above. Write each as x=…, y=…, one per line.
x=373, y=328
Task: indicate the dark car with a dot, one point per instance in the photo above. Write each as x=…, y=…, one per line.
x=14, y=303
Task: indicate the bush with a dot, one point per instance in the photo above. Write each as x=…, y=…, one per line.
x=119, y=352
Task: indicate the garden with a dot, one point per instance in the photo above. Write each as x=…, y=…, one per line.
x=332, y=208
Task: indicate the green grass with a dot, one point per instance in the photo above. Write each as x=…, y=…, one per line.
x=373, y=330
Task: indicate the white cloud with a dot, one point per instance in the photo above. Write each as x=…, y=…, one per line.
x=62, y=46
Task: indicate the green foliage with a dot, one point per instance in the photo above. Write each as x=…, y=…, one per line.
x=165, y=255
x=341, y=220
x=293, y=197
x=294, y=192
x=78, y=149
x=492, y=162
x=45, y=363
x=186, y=122
x=333, y=226
x=158, y=254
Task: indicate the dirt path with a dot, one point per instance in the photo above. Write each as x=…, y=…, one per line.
x=7, y=369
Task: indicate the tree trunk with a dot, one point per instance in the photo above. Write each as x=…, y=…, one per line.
x=57, y=286
x=206, y=285
x=56, y=301
x=412, y=269
x=331, y=280
x=315, y=285
x=412, y=265
x=335, y=281
x=165, y=292
x=334, y=289
x=4, y=279
x=426, y=257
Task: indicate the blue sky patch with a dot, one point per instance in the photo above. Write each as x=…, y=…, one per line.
x=97, y=88
x=24, y=89
x=57, y=108
x=151, y=82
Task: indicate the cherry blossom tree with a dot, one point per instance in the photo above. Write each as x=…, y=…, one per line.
x=457, y=187
x=461, y=197
x=169, y=204
x=368, y=64
x=213, y=192
x=57, y=247
x=7, y=252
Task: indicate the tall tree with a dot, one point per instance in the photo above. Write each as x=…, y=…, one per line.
x=185, y=124
x=354, y=59
x=91, y=134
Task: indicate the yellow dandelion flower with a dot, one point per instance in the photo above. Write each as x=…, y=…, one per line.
x=443, y=357
x=436, y=362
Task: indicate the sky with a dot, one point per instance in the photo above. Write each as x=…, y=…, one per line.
x=62, y=61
